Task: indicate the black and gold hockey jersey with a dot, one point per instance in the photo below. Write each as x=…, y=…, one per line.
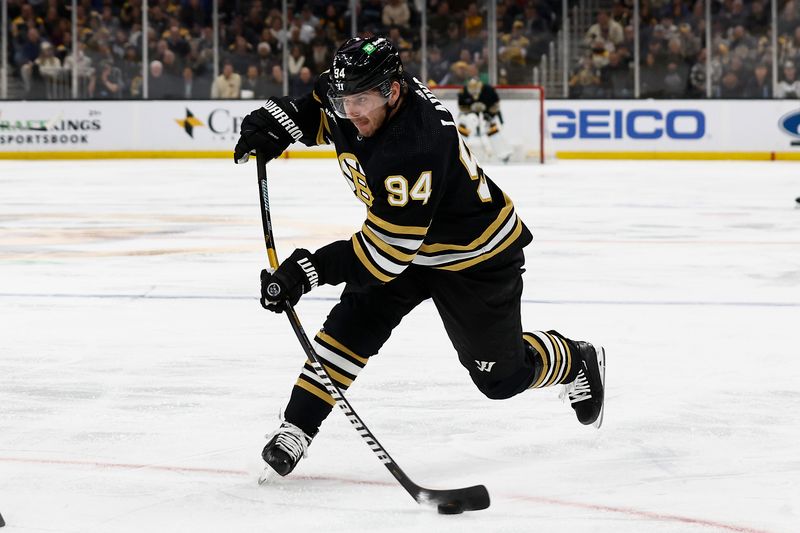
x=486, y=95
x=428, y=201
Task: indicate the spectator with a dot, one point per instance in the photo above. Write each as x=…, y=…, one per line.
x=439, y=22
x=29, y=50
x=307, y=24
x=410, y=63
x=176, y=42
x=606, y=29
x=189, y=89
x=79, y=60
x=297, y=61
x=789, y=86
x=240, y=54
x=437, y=67
x=451, y=48
x=371, y=14
x=585, y=83
x=228, y=84
x=332, y=19
x=513, y=51
x=109, y=85
x=40, y=75
x=320, y=55
x=157, y=84
x=396, y=13
x=302, y=84
x=254, y=84
x=473, y=22
x=674, y=81
x=264, y=59
x=759, y=86
x=616, y=78
x=731, y=85
x=274, y=83
x=193, y=15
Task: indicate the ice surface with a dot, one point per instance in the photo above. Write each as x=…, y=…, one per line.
x=138, y=374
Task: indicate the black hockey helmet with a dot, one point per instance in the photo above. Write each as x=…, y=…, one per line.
x=363, y=64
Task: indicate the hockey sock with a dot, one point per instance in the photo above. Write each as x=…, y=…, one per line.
x=310, y=402
x=552, y=354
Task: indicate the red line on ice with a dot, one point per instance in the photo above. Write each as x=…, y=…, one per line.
x=664, y=517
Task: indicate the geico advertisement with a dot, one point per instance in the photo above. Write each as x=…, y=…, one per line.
x=688, y=125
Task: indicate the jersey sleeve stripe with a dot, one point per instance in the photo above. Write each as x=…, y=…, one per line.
x=445, y=258
x=394, y=228
x=485, y=236
x=510, y=240
x=386, y=247
x=371, y=268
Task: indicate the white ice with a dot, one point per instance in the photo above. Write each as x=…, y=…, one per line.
x=138, y=374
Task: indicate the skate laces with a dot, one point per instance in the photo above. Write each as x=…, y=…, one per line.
x=578, y=390
x=292, y=440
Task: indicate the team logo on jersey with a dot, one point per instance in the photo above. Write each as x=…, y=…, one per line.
x=485, y=366
x=790, y=124
x=189, y=123
x=355, y=176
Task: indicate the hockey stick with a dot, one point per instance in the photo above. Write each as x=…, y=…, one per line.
x=449, y=501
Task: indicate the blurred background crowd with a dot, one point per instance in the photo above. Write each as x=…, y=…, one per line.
x=181, y=60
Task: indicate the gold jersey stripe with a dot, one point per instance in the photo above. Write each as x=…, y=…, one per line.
x=394, y=228
x=481, y=240
x=558, y=360
x=481, y=258
x=388, y=248
x=327, y=339
x=321, y=130
x=324, y=396
x=533, y=341
x=367, y=263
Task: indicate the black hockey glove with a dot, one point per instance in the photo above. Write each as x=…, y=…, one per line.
x=294, y=277
x=260, y=131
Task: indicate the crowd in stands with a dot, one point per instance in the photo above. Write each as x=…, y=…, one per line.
x=673, y=51
x=180, y=38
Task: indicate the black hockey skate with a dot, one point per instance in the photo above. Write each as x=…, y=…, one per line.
x=283, y=451
x=587, y=392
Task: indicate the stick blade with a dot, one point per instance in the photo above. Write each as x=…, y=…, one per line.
x=469, y=499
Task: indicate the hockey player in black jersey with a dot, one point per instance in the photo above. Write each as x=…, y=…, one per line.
x=436, y=227
x=480, y=121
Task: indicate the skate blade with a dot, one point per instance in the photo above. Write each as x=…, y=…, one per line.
x=268, y=476
x=601, y=362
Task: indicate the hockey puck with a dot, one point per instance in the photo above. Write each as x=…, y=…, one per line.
x=450, y=508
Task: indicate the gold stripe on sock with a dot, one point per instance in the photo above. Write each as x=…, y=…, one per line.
x=533, y=341
x=568, y=361
x=324, y=396
x=558, y=360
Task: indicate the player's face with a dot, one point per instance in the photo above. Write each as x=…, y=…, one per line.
x=367, y=110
